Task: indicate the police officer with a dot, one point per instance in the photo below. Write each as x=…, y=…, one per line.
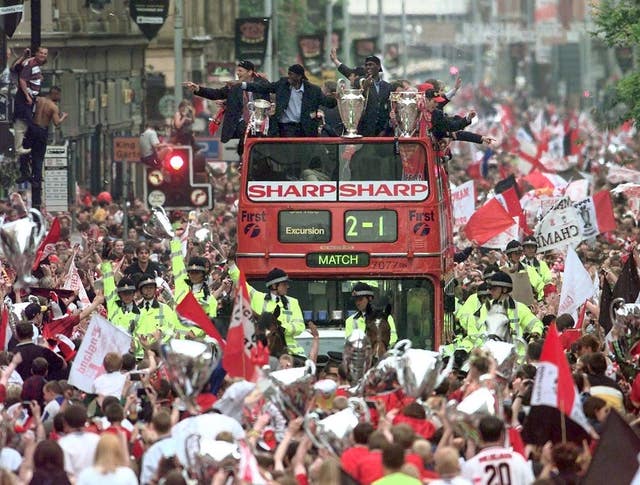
x=192, y=278
x=472, y=303
x=157, y=320
x=470, y=321
x=514, y=265
x=530, y=247
x=122, y=310
x=522, y=320
x=291, y=318
x=363, y=295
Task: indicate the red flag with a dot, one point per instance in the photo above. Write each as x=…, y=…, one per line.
x=236, y=359
x=5, y=331
x=604, y=211
x=555, y=398
x=538, y=180
x=189, y=309
x=52, y=237
x=487, y=222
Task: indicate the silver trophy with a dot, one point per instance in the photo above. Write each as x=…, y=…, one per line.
x=259, y=121
x=190, y=364
x=290, y=390
x=405, y=106
x=19, y=241
x=418, y=369
x=351, y=103
x=333, y=431
x=158, y=226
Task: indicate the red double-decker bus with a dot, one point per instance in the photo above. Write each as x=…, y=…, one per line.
x=334, y=211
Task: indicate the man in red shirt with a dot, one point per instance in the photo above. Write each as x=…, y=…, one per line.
x=351, y=457
x=370, y=467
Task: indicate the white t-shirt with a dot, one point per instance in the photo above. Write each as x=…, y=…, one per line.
x=79, y=450
x=10, y=459
x=450, y=481
x=148, y=140
x=110, y=384
x=495, y=465
x=163, y=448
x=122, y=476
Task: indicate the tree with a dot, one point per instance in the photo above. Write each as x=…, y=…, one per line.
x=618, y=25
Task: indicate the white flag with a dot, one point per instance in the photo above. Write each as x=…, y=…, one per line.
x=73, y=282
x=577, y=285
x=464, y=203
x=101, y=338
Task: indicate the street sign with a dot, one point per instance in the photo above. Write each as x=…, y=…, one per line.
x=149, y=15
x=10, y=16
x=211, y=147
x=56, y=179
x=126, y=149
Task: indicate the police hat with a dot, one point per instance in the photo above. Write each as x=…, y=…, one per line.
x=512, y=247
x=362, y=289
x=530, y=241
x=483, y=289
x=197, y=263
x=275, y=276
x=489, y=271
x=502, y=280
x=126, y=284
x=146, y=279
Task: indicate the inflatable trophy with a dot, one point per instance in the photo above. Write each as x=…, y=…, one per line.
x=19, y=241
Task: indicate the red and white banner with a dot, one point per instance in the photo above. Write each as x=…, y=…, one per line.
x=73, y=282
x=101, y=338
x=596, y=214
x=407, y=190
x=236, y=358
x=554, y=384
x=464, y=203
x=618, y=174
x=577, y=285
x=190, y=311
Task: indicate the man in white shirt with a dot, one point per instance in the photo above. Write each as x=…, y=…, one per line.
x=111, y=383
x=495, y=463
x=78, y=445
x=163, y=447
x=152, y=152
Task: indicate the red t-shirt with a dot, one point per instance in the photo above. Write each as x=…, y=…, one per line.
x=351, y=458
x=370, y=468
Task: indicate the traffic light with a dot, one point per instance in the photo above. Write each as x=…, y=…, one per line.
x=172, y=185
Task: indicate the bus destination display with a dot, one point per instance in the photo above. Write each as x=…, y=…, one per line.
x=337, y=260
x=304, y=226
x=370, y=226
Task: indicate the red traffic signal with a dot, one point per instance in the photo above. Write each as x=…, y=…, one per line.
x=177, y=162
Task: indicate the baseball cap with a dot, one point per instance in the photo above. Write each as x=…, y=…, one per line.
x=248, y=65
x=431, y=94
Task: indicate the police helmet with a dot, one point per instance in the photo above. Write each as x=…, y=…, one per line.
x=197, y=263
x=530, y=241
x=502, y=280
x=489, y=271
x=126, y=284
x=275, y=276
x=146, y=279
x=483, y=290
x=513, y=246
x=362, y=289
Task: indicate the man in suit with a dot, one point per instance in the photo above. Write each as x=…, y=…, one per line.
x=297, y=102
x=236, y=115
x=375, y=119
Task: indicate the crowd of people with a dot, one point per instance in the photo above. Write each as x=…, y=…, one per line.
x=131, y=428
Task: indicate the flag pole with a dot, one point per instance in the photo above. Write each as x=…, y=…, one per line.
x=563, y=425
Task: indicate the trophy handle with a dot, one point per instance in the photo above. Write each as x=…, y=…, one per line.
x=309, y=367
x=401, y=347
x=613, y=309
x=308, y=419
x=36, y=216
x=342, y=86
x=360, y=407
